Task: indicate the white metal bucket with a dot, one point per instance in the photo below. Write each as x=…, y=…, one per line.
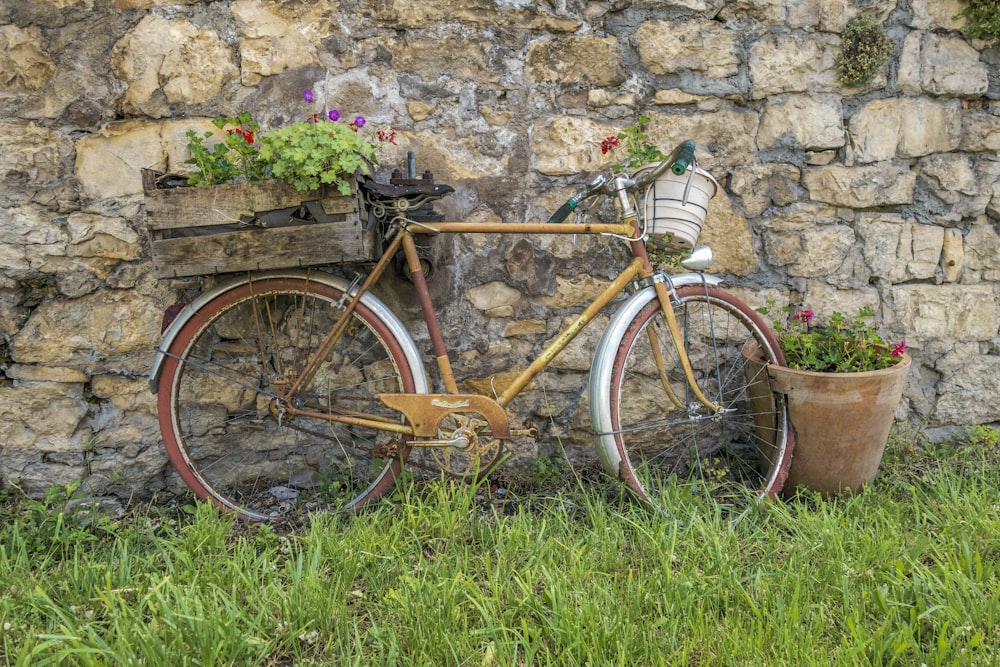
x=677, y=206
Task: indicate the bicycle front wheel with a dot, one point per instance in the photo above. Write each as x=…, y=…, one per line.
x=651, y=428
x=230, y=436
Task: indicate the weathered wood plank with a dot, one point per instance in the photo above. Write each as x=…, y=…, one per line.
x=195, y=230
x=259, y=249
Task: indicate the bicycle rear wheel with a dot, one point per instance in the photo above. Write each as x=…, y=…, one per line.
x=651, y=429
x=227, y=434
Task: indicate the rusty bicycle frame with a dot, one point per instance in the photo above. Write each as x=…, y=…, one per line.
x=424, y=412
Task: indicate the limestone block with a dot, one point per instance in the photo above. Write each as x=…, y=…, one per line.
x=599, y=99
x=275, y=37
x=756, y=297
x=966, y=390
x=24, y=65
x=564, y=145
x=579, y=354
x=423, y=56
x=101, y=237
x=952, y=255
x=120, y=5
x=988, y=173
x=575, y=59
x=952, y=312
x=905, y=127
x=418, y=109
x=30, y=152
x=934, y=14
x=108, y=162
x=27, y=232
x=981, y=131
x=723, y=137
x=941, y=65
x=822, y=15
x=709, y=7
x=951, y=189
x=982, y=249
x=576, y=290
x=759, y=186
x=530, y=269
x=833, y=15
x=495, y=299
x=45, y=374
x=34, y=474
x=825, y=300
x=32, y=240
x=809, y=240
x=84, y=4
x=168, y=62
x=883, y=184
x=144, y=476
x=793, y=64
x=762, y=11
x=703, y=47
x=452, y=158
x=524, y=328
x=409, y=15
x=494, y=117
x=42, y=415
x=91, y=333
x=813, y=122
x=728, y=233
x=674, y=96
x=898, y=249
x=124, y=394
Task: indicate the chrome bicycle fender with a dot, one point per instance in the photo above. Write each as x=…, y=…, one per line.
x=370, y=301
x=600, y=369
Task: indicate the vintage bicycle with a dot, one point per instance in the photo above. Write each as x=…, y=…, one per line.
x=298, y=390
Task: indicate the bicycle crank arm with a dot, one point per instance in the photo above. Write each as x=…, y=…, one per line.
x=458, y=442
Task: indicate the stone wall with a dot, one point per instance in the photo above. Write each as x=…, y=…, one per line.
x=833, y=197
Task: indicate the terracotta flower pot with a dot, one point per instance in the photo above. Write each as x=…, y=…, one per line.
x=841, y=422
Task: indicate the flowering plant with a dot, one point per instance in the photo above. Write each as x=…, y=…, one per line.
x=307, y=153
x=843, y=346
x=233, y=158
x=639, y=149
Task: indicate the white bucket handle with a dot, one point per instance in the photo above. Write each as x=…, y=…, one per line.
x=687, y=187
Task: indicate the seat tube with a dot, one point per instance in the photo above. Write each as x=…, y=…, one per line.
x=430, y=316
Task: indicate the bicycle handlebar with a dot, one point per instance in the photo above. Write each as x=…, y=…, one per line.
x=563, y=212
x=684, y=158
x=680, y=159
x=595, y=186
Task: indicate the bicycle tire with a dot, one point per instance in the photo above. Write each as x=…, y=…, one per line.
x=648, y=442
x=221, y=425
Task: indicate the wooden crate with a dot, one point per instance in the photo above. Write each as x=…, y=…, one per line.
x=207, y=230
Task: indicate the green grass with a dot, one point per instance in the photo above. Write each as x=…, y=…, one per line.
x=905, y=573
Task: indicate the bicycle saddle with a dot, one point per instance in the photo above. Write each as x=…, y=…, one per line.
x=409, y=188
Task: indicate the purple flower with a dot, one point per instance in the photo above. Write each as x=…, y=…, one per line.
x=804, y=316
x=359, y=122
x=333, y=115
x=308, y=96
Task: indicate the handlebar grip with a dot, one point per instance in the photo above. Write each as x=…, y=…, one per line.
x=564, y=211
x=685, y=155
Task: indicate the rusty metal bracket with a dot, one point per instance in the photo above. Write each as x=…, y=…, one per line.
x=424, y=412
